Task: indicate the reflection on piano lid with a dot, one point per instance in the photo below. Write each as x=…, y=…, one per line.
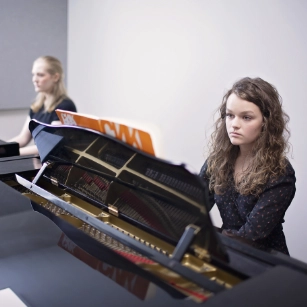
x=138, y=286
x=138, y=213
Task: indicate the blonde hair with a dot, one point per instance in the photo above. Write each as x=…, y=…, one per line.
x=269, y=151
x=54, y=66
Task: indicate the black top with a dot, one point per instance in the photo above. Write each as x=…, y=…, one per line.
x=258, y=219
x=47, y=118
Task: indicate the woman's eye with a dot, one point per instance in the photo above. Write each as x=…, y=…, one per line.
x=247, y=118
x=229, y=115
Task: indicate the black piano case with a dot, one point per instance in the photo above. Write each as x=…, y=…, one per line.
x=139, y=212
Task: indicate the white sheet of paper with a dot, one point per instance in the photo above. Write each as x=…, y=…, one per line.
x=9, y=299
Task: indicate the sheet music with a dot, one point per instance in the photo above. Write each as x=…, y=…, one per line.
x=9, y=299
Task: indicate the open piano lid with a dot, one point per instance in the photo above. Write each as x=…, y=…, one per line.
x=162, y=199
x=92, y=184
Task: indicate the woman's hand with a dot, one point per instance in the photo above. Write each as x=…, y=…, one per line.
x=228, y=233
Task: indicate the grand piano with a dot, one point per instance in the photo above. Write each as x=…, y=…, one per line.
x=93, y=221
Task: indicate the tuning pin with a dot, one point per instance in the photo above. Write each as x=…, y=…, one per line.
x=92, y=231
x=97, y=234
x=87, y=228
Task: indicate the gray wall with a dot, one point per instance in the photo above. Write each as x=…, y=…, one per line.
x=28, y=29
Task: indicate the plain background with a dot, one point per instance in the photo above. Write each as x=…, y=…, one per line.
x=28, y=29
x=165, y=66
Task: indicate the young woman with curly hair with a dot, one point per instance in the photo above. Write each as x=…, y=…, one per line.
x=249, y=177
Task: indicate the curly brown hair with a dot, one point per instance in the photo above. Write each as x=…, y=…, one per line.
x=268, y=156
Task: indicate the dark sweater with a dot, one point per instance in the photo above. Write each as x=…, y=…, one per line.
x=257, y=219
x=47, y=118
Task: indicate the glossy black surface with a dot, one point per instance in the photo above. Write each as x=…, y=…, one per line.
x=39, y=254
x=42, y=273
x=158, y=196
x=42, y=270
x=8, y=149
x=17, y=164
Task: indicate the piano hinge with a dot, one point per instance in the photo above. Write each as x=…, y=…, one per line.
x=113, y=210
x=54, y=181
x=202, y=254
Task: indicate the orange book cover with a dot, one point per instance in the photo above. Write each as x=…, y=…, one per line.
x=132, y=136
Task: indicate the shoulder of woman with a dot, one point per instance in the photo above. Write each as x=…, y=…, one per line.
x=289, y=168
x=287, y=177
x=66, y=100
x=67, y=104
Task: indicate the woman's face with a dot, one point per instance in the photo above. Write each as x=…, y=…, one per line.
x=43, y=81
x=244, y=122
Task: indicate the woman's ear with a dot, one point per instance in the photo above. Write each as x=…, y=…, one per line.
x=263, y=127
x=56, y=77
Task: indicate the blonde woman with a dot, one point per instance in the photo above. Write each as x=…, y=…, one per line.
x=48, y=82
x=249, y=177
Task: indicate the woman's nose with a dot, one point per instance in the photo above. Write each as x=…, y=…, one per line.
x=235, y=123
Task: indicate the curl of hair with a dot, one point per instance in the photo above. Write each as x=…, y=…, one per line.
x=268, y=156
x=58, y=93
